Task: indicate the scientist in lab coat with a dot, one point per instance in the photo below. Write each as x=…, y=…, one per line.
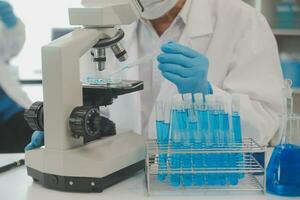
x=237, y=55
x=220, y=47
x=14, y=131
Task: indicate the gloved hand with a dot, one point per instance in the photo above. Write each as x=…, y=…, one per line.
x=7, y=15
x=37, y=140
x=184, y=67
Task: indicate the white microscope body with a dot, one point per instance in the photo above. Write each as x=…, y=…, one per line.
x=67, y=162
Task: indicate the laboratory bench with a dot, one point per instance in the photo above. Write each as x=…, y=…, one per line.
x=16, y=185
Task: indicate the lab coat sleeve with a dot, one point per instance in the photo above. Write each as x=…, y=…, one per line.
x=255, y=75
x=11, y=40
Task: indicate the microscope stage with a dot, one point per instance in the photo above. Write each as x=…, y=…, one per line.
x=104, y=94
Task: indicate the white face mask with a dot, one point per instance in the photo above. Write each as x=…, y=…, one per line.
x=153, y=9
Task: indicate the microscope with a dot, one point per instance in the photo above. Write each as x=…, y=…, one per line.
x=83, y=152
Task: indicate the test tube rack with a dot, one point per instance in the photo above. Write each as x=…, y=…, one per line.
x=254, y=173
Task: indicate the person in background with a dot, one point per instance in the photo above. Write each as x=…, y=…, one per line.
x=14, y=131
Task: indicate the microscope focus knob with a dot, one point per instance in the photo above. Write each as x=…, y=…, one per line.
x=34, y=116
x=83, y=121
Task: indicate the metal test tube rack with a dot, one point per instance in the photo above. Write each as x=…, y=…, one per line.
x=255, y=173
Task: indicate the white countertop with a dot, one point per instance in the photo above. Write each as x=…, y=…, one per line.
x=16, y=185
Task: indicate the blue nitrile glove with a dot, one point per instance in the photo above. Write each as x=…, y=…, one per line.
x=8, y=107
x=7, y=14
x=37, y=140
x=184, y=67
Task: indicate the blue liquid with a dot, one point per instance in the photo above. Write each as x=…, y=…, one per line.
x=237, y=131
x=186, y=129
x=175, y=165
x=179, y=127
x=97, y=81
x=224, y=126
x=162, y=130
x=283, y=172
x=199, y=160
x=223, y=134
x=187, y=161
x=232, y=178
x=213, y=159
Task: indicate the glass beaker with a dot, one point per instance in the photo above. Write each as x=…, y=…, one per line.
x=283, y=172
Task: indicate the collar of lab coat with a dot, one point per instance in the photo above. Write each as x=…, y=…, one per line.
x=198, y=18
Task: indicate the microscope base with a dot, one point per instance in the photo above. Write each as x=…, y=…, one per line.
x=83, y=184
x=92, y=167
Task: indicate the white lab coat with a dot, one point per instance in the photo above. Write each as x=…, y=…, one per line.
x=243, y=59
x=11, y=42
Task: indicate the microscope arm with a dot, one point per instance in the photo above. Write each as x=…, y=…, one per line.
x=62, y=86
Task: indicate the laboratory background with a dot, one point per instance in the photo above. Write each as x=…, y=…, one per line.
x=192, y=144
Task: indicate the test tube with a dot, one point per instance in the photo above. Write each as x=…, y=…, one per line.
x=188, y=139
x=237, y=129
x=166, y=130
x=200, y=138
x=223, y=135
x=213, y=137
x=288, y=96
x=161, y=135
x=167, y=119
x=177, y=125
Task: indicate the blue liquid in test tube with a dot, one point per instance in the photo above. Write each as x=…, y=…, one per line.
x=176, y=139
x=188, y=139
x=223, y=134
x=237, y=130
x=236, y=122
x=213, y=139
x=162, y=130
x=199, y=160
x=161, y=157
x=233, y=178
x=166, y=131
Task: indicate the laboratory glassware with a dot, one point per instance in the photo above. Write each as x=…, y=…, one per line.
x=162, y=132
x=200, y=138
x=188, y=139
x=178, y=128
x=283, y=172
